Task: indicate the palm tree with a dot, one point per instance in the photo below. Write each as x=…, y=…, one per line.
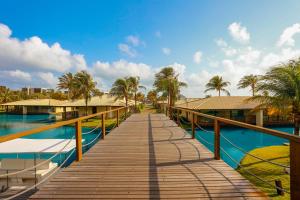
x=6, y=95
x=217, y=83
x=122, y=89
x=250, y=80
x=85, y=86
x=135, y=86
x=280, y=88
x=166, y=81
x=152, y=96
x=66, y=82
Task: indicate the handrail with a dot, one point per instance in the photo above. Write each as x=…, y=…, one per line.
x=52, y=126
x=244, y=125
x=294, y=142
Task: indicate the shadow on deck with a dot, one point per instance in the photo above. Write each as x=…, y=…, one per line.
x=148, y=157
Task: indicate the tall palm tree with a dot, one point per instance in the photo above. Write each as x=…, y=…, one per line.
x=166, y=81
x=217, y=83
x=122, y=89
x=152, y=96
x=66, y=82
x=6, y=95
x=250, y=80
x=135, y=86
x=85, y=87
x=280, y=88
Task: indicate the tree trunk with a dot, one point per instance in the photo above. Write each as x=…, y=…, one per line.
x=296, y=123
x=253, y=90
x=219, y=92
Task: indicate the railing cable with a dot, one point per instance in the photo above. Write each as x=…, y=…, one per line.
x=44, y=180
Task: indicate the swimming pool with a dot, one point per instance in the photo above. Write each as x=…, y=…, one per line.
x=10, y=123
x=244, y=138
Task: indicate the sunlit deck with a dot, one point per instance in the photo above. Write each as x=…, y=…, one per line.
x=148, y=156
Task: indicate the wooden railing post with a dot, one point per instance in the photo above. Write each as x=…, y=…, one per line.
x=118, y=113
x=78, y=140
x=177, y=116
x=193, y=126
x=103, y=126
x=295, y=170
x=217, y=139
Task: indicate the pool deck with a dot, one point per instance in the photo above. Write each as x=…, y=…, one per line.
x=148, y=157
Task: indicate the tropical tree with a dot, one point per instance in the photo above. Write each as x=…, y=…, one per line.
x=249, y=81
x=84, y=86
x=6, y=95
x=135, y=86
x=166, y=81
x=66, y=82
x=122, y=89
x=217, y=83
x=140, y=97
x=152, y=96
x=280, y=88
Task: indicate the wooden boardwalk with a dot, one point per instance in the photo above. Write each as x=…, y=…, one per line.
x=148, y=157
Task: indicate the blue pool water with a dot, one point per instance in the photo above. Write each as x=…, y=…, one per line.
x=243, y=138
x=10, y=124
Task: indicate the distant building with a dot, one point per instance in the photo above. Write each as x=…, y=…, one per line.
x=30, y=90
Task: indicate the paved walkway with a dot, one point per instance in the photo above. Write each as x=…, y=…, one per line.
x=148, y=157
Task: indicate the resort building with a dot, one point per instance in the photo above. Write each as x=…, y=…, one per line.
x=235, y=108
x=66, y=109
x=97, y=104
x=34, y=106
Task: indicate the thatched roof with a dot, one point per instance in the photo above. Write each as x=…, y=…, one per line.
x=35, y=102
x=220, y=103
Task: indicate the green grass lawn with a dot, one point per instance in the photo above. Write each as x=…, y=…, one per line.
x=267, y=171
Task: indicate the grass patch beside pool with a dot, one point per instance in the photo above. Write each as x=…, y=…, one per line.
x=91, y=123
x=267, y=171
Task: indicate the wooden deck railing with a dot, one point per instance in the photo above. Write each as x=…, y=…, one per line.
x=294, y=142
x=78, y=128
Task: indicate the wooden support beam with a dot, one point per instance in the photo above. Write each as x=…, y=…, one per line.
x=193, y=126
x=118, y=120
x=103, y=126
x=177, y=113
x=295, y=170
x=78, y=136
x=217, y=140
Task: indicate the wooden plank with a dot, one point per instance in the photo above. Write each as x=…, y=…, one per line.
x=148, y=157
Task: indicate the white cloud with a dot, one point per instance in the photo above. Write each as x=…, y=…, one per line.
x=287, y=36
x=18, y=75
x=198, y=57
x=33, y=53
x=221, y=43
x=134, y=40
x=48, y=78
x=228, y=50
x=158, y=34
x=271, y=59
x=5, y=31
x=239, y=32
x=166, y=51
x=121, y=68
x=126, y=49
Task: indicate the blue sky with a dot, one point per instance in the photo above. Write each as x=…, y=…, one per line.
x=40, y=40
